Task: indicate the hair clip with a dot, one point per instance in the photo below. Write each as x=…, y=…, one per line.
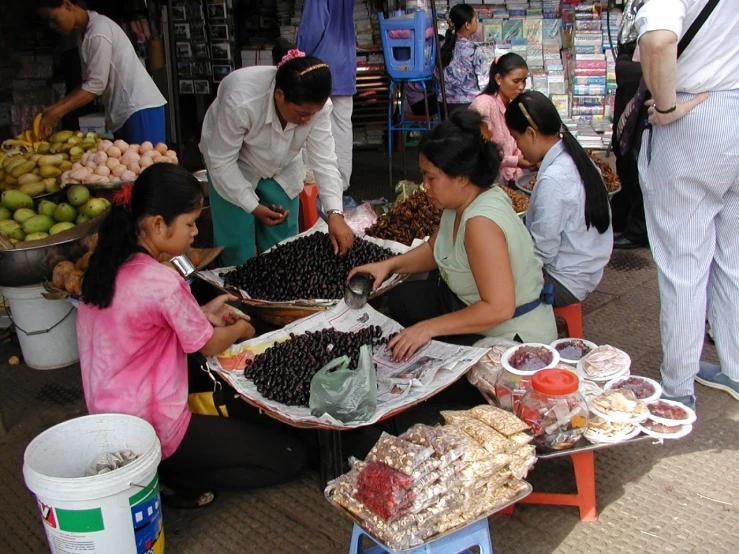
x=291, y=55
x=527, y=116
x=311, y=68
x=496, y=60
x=122, y=197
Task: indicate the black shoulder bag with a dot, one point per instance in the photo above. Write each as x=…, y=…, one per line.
x=633, y=121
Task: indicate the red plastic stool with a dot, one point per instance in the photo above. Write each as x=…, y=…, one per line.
x=572, y=315
x=584, y=466
x=308, y=213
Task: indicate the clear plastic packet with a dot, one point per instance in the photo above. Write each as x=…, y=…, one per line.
x=502, y=421
x=489, y=438
x=420, y=434
x=517, y=441
x=522, y=460
x=453, y=443
x=399, y=454
x=452, y=417
x=429, y=466
x=471, y=474
x=384, y=490
x=498, y=479
x=483, y=376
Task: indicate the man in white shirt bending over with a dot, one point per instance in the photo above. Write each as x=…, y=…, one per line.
x=689, y=162
x=134, y=107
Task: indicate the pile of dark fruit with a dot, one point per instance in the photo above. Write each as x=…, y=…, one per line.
x=284, y=371
x=305, y=268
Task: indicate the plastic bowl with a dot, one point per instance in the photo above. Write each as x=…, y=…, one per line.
x=508, y=353
x=587, y=343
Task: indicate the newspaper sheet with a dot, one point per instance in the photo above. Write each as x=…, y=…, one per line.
x=215, y=276
x=431, y=368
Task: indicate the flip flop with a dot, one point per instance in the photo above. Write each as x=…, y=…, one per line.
x=187, y=500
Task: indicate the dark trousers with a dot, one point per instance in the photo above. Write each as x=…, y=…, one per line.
x=226, y=453
x=562, y=295
x=627, y=205
x=417, y=301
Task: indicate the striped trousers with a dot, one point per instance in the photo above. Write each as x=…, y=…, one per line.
x=690, y=178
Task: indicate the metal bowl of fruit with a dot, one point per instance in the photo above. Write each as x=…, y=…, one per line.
x=44, y=233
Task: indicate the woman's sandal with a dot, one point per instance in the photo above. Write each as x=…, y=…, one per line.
x=187, y=500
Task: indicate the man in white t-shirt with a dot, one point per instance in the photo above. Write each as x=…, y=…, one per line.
x=689, y=163
x=134, y=107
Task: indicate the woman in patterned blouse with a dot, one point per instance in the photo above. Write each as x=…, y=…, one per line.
x=507, y=80
x=462, y=59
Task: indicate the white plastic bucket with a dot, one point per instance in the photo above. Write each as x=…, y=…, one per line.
x=116, y=512
x=46, y=328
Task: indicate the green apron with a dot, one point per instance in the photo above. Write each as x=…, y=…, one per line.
x=240, y=233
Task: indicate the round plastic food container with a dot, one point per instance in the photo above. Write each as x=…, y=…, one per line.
x=555, y=410
x=513, y=382
x=571, y=350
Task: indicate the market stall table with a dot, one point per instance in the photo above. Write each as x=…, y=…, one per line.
x=583, y=462
x=402, y=385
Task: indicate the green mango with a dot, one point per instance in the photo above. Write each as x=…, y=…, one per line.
x=15, y=199
x=38, y=224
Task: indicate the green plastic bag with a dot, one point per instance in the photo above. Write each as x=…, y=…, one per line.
x=344, y=393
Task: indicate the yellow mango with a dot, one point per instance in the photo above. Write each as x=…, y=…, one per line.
x=23, y=168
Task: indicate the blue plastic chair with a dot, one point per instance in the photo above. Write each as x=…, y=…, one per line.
x=410, y=57
x=407, y=59
x=476, y=534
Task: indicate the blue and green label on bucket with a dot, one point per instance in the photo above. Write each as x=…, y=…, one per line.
x=73, y=531
x=146, y=511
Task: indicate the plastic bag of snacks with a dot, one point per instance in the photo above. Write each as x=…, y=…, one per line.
x=504, y=422
x=489, y=438
x=399, y=454
x=384, y=490
x=522, y=460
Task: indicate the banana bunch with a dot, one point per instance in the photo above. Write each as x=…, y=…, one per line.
x=28, y=140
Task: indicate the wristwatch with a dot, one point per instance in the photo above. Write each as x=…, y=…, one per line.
x=337, y=212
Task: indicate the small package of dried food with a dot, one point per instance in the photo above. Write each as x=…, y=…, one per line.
x=602, y=431
x=498, y=479
x=421, y=434
x=662, y=431
x=619, y=406
x=517, y=441
x=604, y=363
x=472, y=473
x=483, y=377
x=453, y=443
x=644, y=388
x=671, y=413
x=502, y=421
x=489, y=438
x=384, y=490
x=399, y=454
x=455, y=416
x=522, y=461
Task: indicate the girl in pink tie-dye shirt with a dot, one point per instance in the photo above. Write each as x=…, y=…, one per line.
x=138, y=321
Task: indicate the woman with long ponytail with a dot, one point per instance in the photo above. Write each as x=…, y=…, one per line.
x=508, y=75
x=569, y=217
x=136, y=324
x=461, y=59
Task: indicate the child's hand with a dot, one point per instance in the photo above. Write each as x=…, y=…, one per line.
x=221, y=314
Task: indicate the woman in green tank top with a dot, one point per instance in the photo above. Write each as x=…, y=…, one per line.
x=489, y=282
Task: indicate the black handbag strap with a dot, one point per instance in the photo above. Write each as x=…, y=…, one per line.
x=695, y=27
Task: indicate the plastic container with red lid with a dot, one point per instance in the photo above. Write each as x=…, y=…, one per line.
x=555, y=410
